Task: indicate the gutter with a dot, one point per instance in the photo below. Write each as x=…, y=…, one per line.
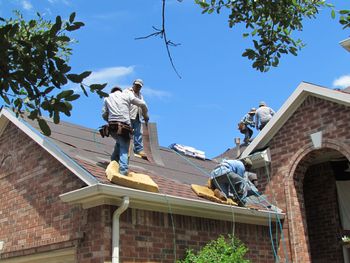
x=115, y=229
x=101, y=194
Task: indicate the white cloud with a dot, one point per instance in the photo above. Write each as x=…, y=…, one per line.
x=159, y=94
x=26, y=4
x=66, y=2
x=342, y=82
x=112, y=75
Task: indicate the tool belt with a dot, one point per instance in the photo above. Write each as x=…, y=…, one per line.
x=242, y=127
x=121, y=129
x=104, y=131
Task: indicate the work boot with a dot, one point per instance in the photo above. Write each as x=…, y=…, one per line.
x=142, y=154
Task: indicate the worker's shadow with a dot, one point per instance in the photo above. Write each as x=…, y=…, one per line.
x=102, y=164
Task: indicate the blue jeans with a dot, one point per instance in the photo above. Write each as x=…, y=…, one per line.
x=120, y=153
x=230, y=183
x=137, y=127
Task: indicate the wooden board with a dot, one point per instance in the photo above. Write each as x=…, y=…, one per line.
x=132, y=180
x=207, y=193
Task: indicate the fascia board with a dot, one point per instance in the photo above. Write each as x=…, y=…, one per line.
x=109, y=194
x=50, y=147
x=345, y=44
x=289, y=107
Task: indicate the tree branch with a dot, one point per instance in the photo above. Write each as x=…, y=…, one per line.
x=162, y=34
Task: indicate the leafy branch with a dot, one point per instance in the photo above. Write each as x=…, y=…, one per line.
x=34, y=68
x=270, y=25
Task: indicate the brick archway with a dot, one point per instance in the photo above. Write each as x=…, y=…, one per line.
x=296, y=214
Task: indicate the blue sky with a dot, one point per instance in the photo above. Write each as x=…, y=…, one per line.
x=217, y=87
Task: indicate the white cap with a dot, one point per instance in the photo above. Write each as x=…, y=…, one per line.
x=138, y=82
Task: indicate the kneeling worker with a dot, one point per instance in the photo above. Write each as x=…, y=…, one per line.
x=229, y=178
x=116, y=110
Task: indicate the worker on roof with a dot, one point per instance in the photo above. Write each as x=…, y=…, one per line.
x=229, y=179
x=263, y=115
x=116, y=111
x=136, y=117
x=243, y=125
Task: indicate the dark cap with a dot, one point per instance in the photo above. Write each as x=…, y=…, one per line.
x=116, y=88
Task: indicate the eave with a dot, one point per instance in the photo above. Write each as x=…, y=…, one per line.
x=101, y=194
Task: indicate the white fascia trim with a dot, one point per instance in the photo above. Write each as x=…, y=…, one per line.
x=49, y=146
x=290, y=106
x=345, y=44
x=100, y=194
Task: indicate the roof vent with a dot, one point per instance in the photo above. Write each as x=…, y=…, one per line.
x=188, y=151
x=260, y=159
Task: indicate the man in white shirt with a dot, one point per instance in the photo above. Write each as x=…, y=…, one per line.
x=116, y=110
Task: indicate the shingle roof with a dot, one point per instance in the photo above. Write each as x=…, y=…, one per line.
x=173, y=173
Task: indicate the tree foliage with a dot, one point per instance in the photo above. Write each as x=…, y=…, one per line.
x=222, y=250
x=34, y=68
x=270, y=24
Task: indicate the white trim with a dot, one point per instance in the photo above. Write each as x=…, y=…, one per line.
x=57, y=256
x=289, y=107
x=345, y=44
x=113, y=194
x=49, y=146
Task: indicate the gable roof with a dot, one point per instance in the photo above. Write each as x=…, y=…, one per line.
x=289, y=107
x=87, y=155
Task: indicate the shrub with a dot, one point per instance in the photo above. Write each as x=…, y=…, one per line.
x=230, y=250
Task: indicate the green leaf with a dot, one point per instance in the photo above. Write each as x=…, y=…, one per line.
x=74, y=78
x=73, y=97
x=84, y=90
x=344, y=12
x=102, y=94
x=94, y=87
x=85, y=74
x=44, y=127
x=65, y=94
x=71, y=17
x=56, y=117
x=333, y=13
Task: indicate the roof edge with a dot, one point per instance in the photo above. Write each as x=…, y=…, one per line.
x=101, y=194
x=303, y=90
x=49, y=146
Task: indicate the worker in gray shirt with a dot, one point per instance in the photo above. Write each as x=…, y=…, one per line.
x=136, y=117
x=116, y=110
x=263, y=115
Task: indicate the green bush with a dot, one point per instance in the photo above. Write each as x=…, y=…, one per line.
x=222, y=250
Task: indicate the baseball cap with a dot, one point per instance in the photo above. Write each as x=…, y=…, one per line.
x=138, y=82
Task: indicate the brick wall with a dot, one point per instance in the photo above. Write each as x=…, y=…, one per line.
x=292, y=153
x=32, y=217
x=150, y=237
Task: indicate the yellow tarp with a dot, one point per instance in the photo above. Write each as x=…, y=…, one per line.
x=132, y=180
x=207, y=193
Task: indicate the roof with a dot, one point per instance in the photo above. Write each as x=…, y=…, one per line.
x=87, y=155
x=289, y=107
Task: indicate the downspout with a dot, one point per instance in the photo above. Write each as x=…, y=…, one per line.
x=115, y=229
